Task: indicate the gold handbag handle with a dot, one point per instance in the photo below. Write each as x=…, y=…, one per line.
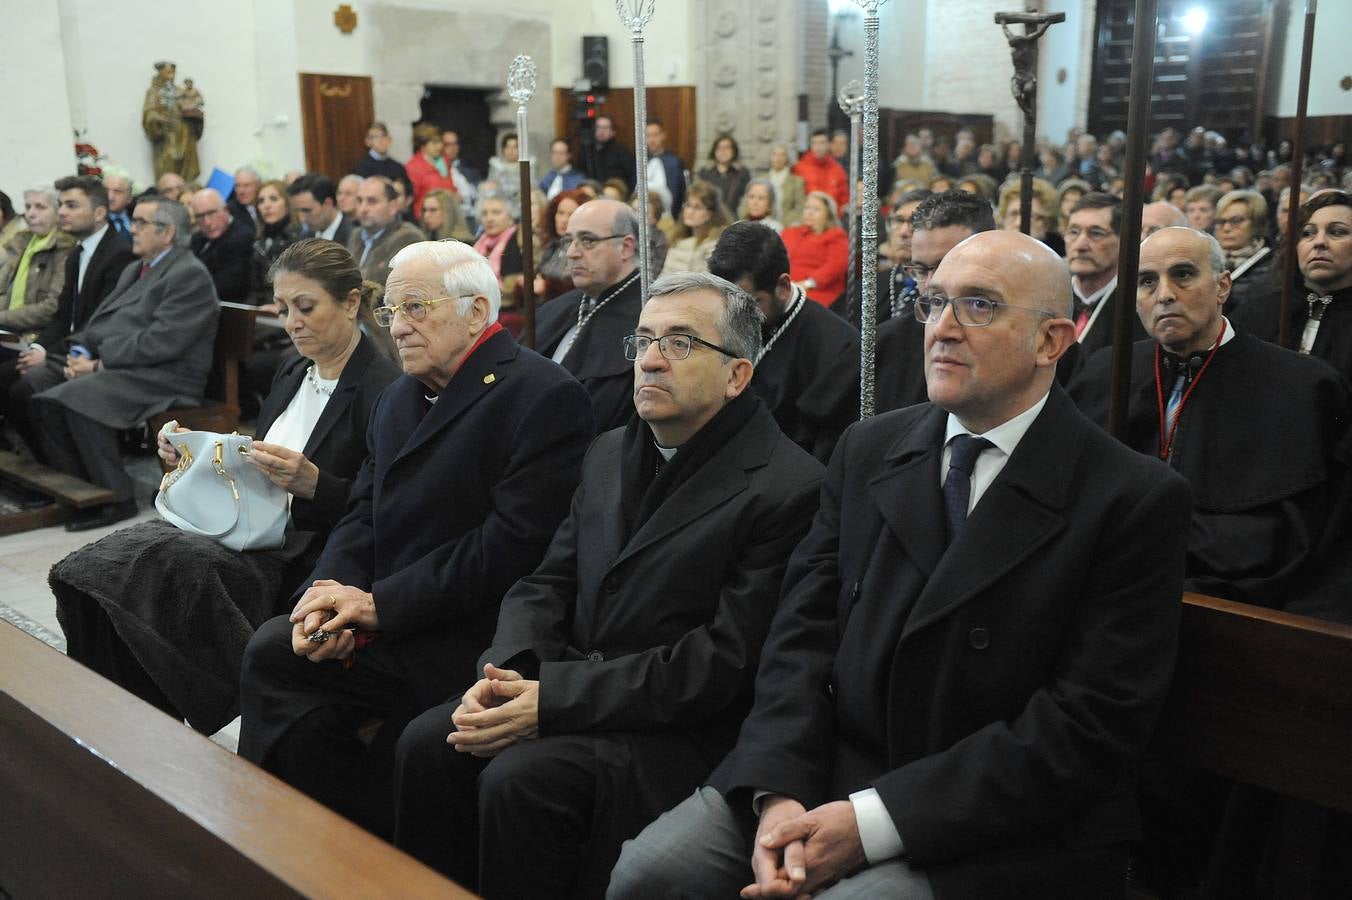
x=184, y=460
x=218, y=463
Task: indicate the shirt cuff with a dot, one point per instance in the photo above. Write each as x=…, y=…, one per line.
x=877, y=833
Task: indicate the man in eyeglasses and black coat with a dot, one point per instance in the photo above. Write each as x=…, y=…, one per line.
x=622, y=668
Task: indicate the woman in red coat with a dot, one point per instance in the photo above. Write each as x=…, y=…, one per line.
x=819, y=250
x=426, y=169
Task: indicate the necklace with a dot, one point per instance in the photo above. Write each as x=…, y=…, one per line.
x=897, y=305
x=583, y=319
x=321, y=390
x=797, y=307
x=1167, y=440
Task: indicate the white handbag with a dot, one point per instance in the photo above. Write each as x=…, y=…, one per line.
x=215, y=491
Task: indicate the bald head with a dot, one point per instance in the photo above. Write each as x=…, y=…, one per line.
x=1161, y=214
x=612, y=230
x=1039, y=278
x=991, y=349
x=1181, y=288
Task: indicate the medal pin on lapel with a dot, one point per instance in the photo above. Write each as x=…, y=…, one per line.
x=490, y=378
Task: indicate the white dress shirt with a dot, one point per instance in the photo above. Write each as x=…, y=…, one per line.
x=1091, y=303
x=657, y=181
x=877, y=833
x=90, y=244
x=328, y=233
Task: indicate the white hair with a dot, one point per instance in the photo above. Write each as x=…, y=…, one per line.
x=351, y=177
x=46, y=190
x=464, y=273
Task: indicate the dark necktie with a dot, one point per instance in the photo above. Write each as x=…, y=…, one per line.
x=958, y=485
x=145, y=267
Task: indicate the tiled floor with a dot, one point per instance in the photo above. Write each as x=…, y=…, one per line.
x=25, y=599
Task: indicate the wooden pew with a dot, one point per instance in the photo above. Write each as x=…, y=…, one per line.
x=1262, y=697
x=102, y=795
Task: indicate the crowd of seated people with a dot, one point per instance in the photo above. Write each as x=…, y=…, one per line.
x=647, y=598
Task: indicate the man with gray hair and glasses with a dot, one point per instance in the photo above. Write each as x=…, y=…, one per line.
x=581, y=329
x=975, y=638
x=622, y=667
x=471, y=458
x=147, y=348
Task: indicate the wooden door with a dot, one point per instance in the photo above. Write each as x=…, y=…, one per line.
x=335, y=113
x=673, y=106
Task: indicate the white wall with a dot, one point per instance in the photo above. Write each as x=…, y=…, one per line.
x=1066, y=46
x=1329, y=61
x=901, y=52
x=35, y=110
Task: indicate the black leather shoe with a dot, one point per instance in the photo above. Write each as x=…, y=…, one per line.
x=103, y=516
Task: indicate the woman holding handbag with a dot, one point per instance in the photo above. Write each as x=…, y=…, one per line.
x=166, y=613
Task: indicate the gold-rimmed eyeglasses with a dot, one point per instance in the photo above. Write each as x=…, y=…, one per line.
x=413, y=310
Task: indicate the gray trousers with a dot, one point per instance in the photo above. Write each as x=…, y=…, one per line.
x=702, y=849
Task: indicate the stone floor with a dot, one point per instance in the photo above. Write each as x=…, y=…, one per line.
x=25, y=599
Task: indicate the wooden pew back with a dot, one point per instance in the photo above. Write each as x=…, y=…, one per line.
x=1263, y=697
x=102, y=795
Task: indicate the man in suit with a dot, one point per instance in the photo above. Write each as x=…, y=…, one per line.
x=243, y=199
x=959, y=680
x=622, y=668
x=225, y=244
x=808, y=368
x=561, y=175
x=92, y=270
x=382, y=233
x=472, y=456
x=582, y=330
x=938, y=224
x=606, y=157
x=119, y=205
x=1092, y=248
x=315, y=203
x=666, y=175
x=377, y=160
x=1266, y=525
x=145, y=349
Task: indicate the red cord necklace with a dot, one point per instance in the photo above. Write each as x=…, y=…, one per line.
x=1167, y=440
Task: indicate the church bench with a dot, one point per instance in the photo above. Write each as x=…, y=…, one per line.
x=102, y=795
x=1262, y=697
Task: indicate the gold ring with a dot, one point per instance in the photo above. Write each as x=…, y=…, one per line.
x=333, y=602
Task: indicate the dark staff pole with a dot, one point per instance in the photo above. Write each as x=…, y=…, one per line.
x=1023, y=47
x=1133, y=197
x=1289, y=266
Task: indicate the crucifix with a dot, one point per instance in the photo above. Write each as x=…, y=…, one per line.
x=1023, y=48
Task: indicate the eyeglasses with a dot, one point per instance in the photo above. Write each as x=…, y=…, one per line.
x=1232, y=221
x=671, y=346
x=974, y=311
x=918, y=271
x=1096, y=235
x=139, y=223
x=586, y=240
x=413, y=310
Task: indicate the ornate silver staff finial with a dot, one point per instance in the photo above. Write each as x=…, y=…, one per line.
x=851, y=100
x=868, y=213
x=635, y=15
x=521, y=87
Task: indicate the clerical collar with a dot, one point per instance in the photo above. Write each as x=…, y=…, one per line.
x=1094, y=297
x=667, y=452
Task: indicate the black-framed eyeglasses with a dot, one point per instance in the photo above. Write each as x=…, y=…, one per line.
x=586, y=240
x=918, y=271
x=1095, y=234
x=976, y=312
x=138, y=223
x=413, y=310
x=672, y=346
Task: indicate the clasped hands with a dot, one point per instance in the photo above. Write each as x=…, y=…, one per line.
x=798, y=852
x=333, y=608
x=499, y=710
x=78, y=366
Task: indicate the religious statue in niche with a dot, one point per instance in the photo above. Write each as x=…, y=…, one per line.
x=173, y=119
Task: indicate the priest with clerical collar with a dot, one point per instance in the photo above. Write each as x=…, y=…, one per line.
x=1253, y=427
x=808, y=367
x=582, y=330
x=1320, y=322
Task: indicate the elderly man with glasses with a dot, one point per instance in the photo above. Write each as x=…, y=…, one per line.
x=622, y=667
x=975, y=639
x=472, y=457
x=1092, y=250
x=225, y=245
x=581, y=329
